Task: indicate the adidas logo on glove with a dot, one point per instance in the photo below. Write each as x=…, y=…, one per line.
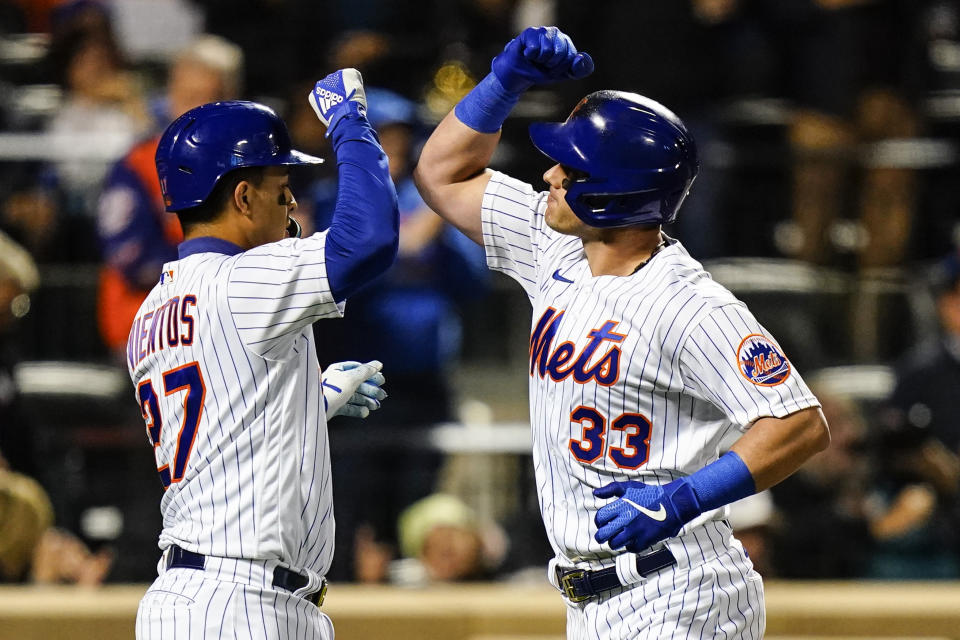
x=326, y=99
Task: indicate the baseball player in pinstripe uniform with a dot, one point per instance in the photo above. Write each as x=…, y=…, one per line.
x=222, y=357
x=641, y=366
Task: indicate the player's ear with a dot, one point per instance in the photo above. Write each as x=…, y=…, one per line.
x=241, y=197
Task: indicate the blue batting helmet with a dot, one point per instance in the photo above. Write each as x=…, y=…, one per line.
x=634, y=160
x=207, y=142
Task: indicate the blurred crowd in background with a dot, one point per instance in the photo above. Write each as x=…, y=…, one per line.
x=829, y=132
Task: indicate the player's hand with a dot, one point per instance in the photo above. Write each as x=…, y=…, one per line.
x=353, y=389
x=540, y=55
x=643, y=514
x=339, y=94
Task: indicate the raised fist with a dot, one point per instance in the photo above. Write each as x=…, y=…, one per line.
x=339, y=94
x=540, y=55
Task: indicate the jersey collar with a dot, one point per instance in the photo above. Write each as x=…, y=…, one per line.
x=207, y=244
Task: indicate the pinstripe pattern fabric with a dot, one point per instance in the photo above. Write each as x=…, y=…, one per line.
x=667, y=391
x=715, y=590
x=712, y=592
x=256, y=483
x=228, y=599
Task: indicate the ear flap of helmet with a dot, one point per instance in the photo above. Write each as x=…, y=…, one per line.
x=618, y=202
x=613, y=209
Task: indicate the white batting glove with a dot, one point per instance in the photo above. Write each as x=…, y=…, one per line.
x=353, y=389
x=339, y=94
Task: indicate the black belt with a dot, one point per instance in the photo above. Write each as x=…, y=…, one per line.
x=179, y=558
x=579, y=585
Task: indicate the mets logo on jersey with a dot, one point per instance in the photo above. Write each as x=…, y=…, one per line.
x=563, y=361
x=761, y=362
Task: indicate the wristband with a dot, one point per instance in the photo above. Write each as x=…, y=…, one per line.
x=722, y=482
x=486, y=106
x=351, y=125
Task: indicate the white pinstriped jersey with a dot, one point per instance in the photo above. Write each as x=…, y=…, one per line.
x=223, y=359
x=636, y=377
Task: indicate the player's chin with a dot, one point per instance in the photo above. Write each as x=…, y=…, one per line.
x=553, y=217
x=560, y=221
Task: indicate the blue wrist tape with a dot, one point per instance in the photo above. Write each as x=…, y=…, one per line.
x=486, y=106
x=352, y=127
x=722, y=482
x=352, y=111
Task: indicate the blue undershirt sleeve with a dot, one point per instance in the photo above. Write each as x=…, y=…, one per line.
x=363, y=236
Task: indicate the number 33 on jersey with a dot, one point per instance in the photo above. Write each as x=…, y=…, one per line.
x=599, y=361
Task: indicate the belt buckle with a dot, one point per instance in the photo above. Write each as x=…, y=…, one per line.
x=322, y=593
x=566, y=583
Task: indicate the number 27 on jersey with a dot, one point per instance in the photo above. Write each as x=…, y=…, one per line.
x=185, y=379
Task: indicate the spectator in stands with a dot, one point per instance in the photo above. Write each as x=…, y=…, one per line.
x=913, y=504
x=210, y=68
x=929, y=378
x=25, y=513
x=136, y=234
x=48, y=208
x=32, y=549
x=409, y=318
x=444, y=540
x=921, y=450
x=103, y=110
x=879, y=511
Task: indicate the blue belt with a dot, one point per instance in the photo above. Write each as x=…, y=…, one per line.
x=579, y=585
x=287, y=579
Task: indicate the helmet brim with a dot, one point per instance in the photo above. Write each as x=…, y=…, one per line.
x=553, y=141
x=299, y=157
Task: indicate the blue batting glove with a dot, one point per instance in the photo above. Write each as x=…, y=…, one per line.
x=644, y=514
x=338, y=95
x=353, y=389
x=539, y=55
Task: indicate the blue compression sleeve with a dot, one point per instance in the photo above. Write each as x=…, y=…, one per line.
x=722, y=482
x=486, y=106
x=362, y=241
